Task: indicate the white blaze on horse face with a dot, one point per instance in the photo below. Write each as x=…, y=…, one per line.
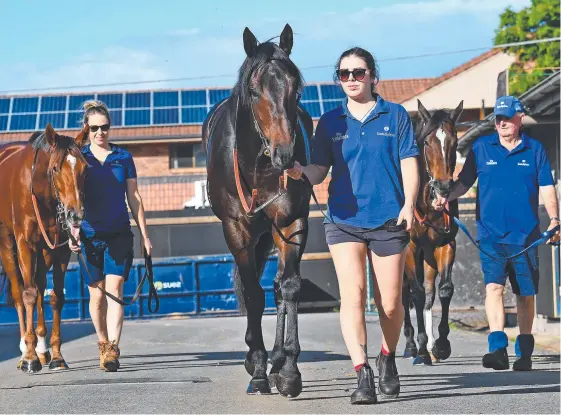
x=441, y=135
x=72, y=161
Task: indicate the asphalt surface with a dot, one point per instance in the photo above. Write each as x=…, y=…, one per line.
x=196, y=366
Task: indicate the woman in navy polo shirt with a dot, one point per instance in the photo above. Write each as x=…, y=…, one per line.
x=107, y=239
x=370, y=146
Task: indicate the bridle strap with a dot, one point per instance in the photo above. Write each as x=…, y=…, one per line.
x=50, y=244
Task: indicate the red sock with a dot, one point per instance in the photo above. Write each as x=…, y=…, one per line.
x=358, y=367
x=385, y=352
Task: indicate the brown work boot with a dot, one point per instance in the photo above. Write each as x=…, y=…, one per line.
x=102, y=351
x=112, y=354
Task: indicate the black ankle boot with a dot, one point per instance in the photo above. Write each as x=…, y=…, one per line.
x=388, y=378
x=497, y=360
x=365, y=393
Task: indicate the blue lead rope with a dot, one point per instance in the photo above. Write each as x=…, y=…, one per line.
x=544, y=237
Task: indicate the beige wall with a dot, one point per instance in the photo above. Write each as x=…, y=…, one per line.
x=473, y=85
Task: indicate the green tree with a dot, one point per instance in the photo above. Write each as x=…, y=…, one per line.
x=538, y=21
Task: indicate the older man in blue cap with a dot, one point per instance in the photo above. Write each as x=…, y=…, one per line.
x=512, y=169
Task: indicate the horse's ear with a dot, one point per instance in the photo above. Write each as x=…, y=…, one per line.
x=286, y=39
x=82, y=138
x=249, y=42
x=50, y=135
x=457, y=112
x=425, y=115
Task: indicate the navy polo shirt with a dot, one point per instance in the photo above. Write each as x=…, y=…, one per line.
x=508, y=188
x=366, y=187
x=105, y=191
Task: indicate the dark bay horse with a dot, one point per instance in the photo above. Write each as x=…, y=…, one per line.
x=250, y=139
x=432, y=248
x=42, y=182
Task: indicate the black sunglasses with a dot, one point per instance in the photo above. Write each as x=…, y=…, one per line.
x=104, y=128
x=344, y=74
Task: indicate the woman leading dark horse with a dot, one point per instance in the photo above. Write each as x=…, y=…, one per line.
x=250, y=138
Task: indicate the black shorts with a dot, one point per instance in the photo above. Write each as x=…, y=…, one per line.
x=379, y=240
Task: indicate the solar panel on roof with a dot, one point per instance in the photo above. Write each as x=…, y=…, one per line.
x=329, y=105
x=217, y=95
x=23, y=122
x=331, y=92
x=137, y=100
x=74, y=119
x=25, y=104
x=310, y=93
x=56, y=119
x=111, y=100
x=57, y=103
x=4, y=106
x=193, y=115
x=3, y=122
x=137, y=117
x=189, y=98
x=313, y=108
x=76, y=102
x=166, y=99
x=166, y=116
x=116, y=118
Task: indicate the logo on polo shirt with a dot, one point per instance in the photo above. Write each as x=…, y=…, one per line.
x=386, y=133
x=524, y=163
x=339, y=137
x=491, y=162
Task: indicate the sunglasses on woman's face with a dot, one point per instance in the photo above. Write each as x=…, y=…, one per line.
x=344, y=74
x=104, y=128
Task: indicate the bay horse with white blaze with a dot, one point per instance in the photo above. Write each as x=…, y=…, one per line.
x=251, y=138
x=42, y=182
x=432, y=248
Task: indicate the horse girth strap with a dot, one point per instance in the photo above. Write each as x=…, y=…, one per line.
x=425, y=222
x=251, y=208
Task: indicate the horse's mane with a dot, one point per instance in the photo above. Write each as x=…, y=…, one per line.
x=64, y=145
x=265, y=52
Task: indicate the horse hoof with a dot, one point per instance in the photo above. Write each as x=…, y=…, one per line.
x=273, y=379
x=258, y=387
x=289, y=387
x=249, y=367
x=410, y=352
x=44, y=358
x=58, y=364
x=423, y=359
x=31, y=366
x=442, y=349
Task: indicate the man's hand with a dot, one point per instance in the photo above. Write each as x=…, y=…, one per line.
x=555, y=238
x=295, y=172
x=74, y=248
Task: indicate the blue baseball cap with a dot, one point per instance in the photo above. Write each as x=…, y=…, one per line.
x=507, y=106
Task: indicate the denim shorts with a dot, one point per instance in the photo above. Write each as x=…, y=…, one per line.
x=522, y=271
x=107, y=253
x=379, y=240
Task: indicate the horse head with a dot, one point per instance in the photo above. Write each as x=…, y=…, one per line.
x=269, y=89
x=66, y=171
x=438, y=141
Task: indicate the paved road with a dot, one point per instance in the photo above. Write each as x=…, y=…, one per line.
x=196, y=366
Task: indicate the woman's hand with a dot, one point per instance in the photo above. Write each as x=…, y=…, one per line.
x=145, y=244
x=295, y=172
x=407, y=215
x=76, y=248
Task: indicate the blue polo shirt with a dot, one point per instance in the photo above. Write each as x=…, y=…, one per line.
x=508, y=188
x=366, y=187
x=105, y=191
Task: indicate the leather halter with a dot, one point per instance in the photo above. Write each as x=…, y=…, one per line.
x=423, y=219
x=60, y=209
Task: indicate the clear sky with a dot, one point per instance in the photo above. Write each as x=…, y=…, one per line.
x=67, y=42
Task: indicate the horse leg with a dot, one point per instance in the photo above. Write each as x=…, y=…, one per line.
x=7, y=250
x=42, y=348
x=424, y=298
x=289, y=379
x=442, y=348
x=408, y=284
x=251, y=298
x=60, y=263
x=27, y=260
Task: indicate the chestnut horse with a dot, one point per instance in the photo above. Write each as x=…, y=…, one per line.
x=432, y=248
x=42, y=182
x=250, y=139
